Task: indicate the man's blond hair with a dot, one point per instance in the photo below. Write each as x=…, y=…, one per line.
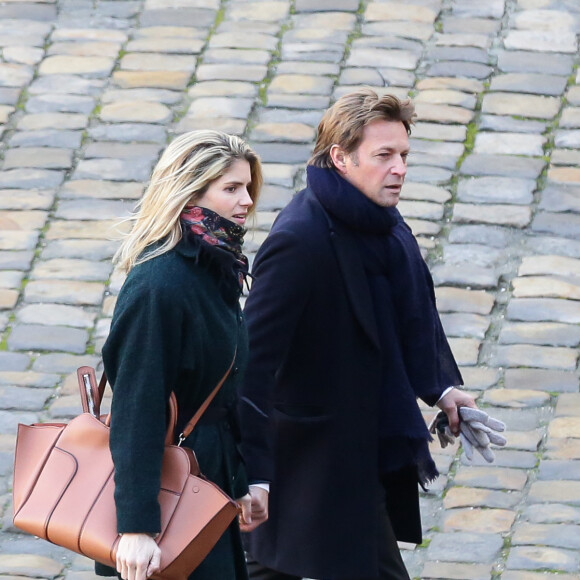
x=343, y=124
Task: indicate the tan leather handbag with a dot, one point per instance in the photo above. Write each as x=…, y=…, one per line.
x=63, y=488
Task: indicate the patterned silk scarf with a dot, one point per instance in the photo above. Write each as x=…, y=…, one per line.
x=219, y=233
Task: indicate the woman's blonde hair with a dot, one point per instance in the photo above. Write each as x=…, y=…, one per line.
x=180, y=178
x=343, y=124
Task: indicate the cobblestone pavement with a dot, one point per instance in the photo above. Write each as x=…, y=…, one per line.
x=91, y=91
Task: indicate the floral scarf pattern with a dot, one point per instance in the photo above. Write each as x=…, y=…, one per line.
x=218, y=232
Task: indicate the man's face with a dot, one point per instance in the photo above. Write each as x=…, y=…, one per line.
x=379, y=165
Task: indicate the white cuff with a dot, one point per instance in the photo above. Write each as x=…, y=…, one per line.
x=265, y=486
x=444, y=393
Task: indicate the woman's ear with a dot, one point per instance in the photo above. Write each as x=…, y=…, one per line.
x=338, y=156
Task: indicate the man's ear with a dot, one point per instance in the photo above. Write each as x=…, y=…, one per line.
x=338, y=156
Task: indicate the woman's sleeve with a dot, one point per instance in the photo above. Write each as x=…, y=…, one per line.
x=141, y=358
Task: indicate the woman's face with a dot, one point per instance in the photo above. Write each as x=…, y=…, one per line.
x=228, y=195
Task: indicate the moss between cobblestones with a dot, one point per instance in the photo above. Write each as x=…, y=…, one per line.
x=454, y=465
x=543, y=177
x=548, y=146
x=263, y=85
x=178, y=113
x=6, y=334
x=50, y=400
x=499, y=567
x=219, y=18
x=356, y=33
x=90, y=349
x=263, y=93
x=436, y=253
x=425, y=543
x=572, y=78
x=84, y=138
x=22, y=99
x=469, y=143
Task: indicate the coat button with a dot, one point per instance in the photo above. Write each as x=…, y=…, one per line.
x=235, y=371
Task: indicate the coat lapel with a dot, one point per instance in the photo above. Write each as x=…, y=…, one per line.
x=355, y=279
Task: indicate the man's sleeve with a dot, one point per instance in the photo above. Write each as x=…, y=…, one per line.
x=448, y=374
x=282, y=276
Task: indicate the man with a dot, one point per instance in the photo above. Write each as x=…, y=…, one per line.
x=344, y=336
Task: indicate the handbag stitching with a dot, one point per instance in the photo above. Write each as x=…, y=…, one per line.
x=76, y=464
x=90, y=511
x=41, y=469
x=177, y=494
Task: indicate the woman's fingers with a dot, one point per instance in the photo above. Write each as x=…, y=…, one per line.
x=246, y=504
x=155, y=564
x=138, y=557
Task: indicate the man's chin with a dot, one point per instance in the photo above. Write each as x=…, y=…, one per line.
x=391, y=200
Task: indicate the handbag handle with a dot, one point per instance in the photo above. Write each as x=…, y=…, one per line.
x=91, y=397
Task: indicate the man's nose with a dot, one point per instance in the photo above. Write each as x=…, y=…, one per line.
x=399, y=167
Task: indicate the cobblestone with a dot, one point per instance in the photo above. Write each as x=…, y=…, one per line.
x=540, y=558
x=464, y=547
x=90, y=93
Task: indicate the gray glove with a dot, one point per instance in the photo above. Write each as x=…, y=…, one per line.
x=477, y=431
x=440, y=427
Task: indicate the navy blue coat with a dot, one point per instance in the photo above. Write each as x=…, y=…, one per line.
x=310, y=399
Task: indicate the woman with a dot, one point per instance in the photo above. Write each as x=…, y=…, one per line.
x=176, y=327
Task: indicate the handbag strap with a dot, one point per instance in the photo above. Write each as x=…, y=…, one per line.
x=195, y=419
x=92, y=396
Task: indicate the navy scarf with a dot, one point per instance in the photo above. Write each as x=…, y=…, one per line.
x=416, y=358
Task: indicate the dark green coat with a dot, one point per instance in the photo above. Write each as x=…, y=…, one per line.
x=176, y=326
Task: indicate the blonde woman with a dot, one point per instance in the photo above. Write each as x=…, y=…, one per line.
x=176, y=326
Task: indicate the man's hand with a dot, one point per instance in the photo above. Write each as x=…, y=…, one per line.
x=450, y=403
x=138, y=556
x=258, y=508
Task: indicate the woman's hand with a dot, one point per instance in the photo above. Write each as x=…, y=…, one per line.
x=450, y=404
x=245, y=517
x=258, y=509
x=138, y=556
